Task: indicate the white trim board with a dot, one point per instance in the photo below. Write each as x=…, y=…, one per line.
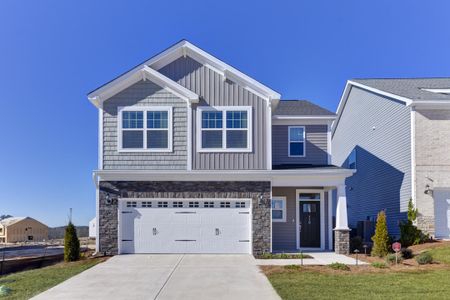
x=144, y=73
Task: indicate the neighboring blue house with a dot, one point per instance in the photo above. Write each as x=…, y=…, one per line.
x=395, y=133
x=197, y=157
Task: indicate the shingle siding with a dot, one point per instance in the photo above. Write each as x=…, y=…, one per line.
x=316, y=146
x=144, y=93
x=214, y=91
x=379, y=128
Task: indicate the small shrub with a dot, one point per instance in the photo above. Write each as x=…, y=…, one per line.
x=424, y=258
x=356, y=243
x=406, y=253
x=381, y=237
x=71, y=244
x=339, y=266
x=390, y=258
x=379, y=265
x=292, y=267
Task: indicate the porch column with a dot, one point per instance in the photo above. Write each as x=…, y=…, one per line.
x=341, y=231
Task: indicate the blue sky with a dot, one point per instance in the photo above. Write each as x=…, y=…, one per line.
x=53, y=52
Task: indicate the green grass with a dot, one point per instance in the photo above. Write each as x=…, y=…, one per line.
x=441, y=255
x=307, y=284
x=26, y=284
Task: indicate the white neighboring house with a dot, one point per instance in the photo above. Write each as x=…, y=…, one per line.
x=92, y=228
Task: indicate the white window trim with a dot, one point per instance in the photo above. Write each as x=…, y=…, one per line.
x=284, y=210
x=289, y=141
x=224, y=109
x=144, y=109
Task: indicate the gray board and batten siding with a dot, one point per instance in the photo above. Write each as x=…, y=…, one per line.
x=215, y=91
x=380, y=130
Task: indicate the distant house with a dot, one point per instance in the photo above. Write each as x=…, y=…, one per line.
x=395, y=134
x=22, y=229
x=92, y=228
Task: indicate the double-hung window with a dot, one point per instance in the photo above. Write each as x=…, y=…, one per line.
x=279, y=209
x=145, y=129
x=224, y=129
x=296, y=141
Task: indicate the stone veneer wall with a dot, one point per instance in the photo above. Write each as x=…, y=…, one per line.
x=342, y=241
x=112, y=190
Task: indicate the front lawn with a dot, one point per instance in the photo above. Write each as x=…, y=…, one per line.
x=314, y=284
x=406, y=281
x=26, y=284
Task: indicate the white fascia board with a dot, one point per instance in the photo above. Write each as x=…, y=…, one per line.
x=406, y=100
x=280, y=176
x=346, y=93
x=121, y=83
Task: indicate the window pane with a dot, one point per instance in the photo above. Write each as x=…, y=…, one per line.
x=212, y=139
x=211, y=119
x=236, y=138
x=236, y=119
x=132, y=139
x=157, y=119
x=310, y=196
x=277, y=204
x=296, y=134
x=132, y=119
x=277, y=214
x=296, y=149
x=157, y=139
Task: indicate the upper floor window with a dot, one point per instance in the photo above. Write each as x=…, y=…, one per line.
x=224, y=129
x=296, y=141
x=352, y=160
x=145, y=129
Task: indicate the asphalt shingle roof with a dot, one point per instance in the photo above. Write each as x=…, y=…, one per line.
x=411, y=88
x=300, y=108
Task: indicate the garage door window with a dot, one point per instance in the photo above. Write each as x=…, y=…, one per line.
x=177, y=204
x=131, y=204
x=146, y=204
x=163, y=204
x=193, y=204
x=207, y=204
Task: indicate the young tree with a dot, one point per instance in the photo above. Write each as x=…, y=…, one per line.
x=71, y=244
x=412, y=211
x=381, y=237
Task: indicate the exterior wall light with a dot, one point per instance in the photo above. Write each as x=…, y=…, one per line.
x=428, y=190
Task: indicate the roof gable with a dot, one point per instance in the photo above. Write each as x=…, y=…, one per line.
x=416, y=92
x=183, y=48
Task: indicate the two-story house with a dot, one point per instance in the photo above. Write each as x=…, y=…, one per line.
x=395, y=133
x=197, y=157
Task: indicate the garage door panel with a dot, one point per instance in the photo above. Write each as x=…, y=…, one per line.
x=209, y=227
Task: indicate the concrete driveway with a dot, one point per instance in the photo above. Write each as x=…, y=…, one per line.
x=168, y=277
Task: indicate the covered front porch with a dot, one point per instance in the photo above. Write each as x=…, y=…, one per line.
x=310, y=213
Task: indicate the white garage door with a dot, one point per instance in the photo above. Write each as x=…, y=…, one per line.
x=189, y=226
x=442, y=213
